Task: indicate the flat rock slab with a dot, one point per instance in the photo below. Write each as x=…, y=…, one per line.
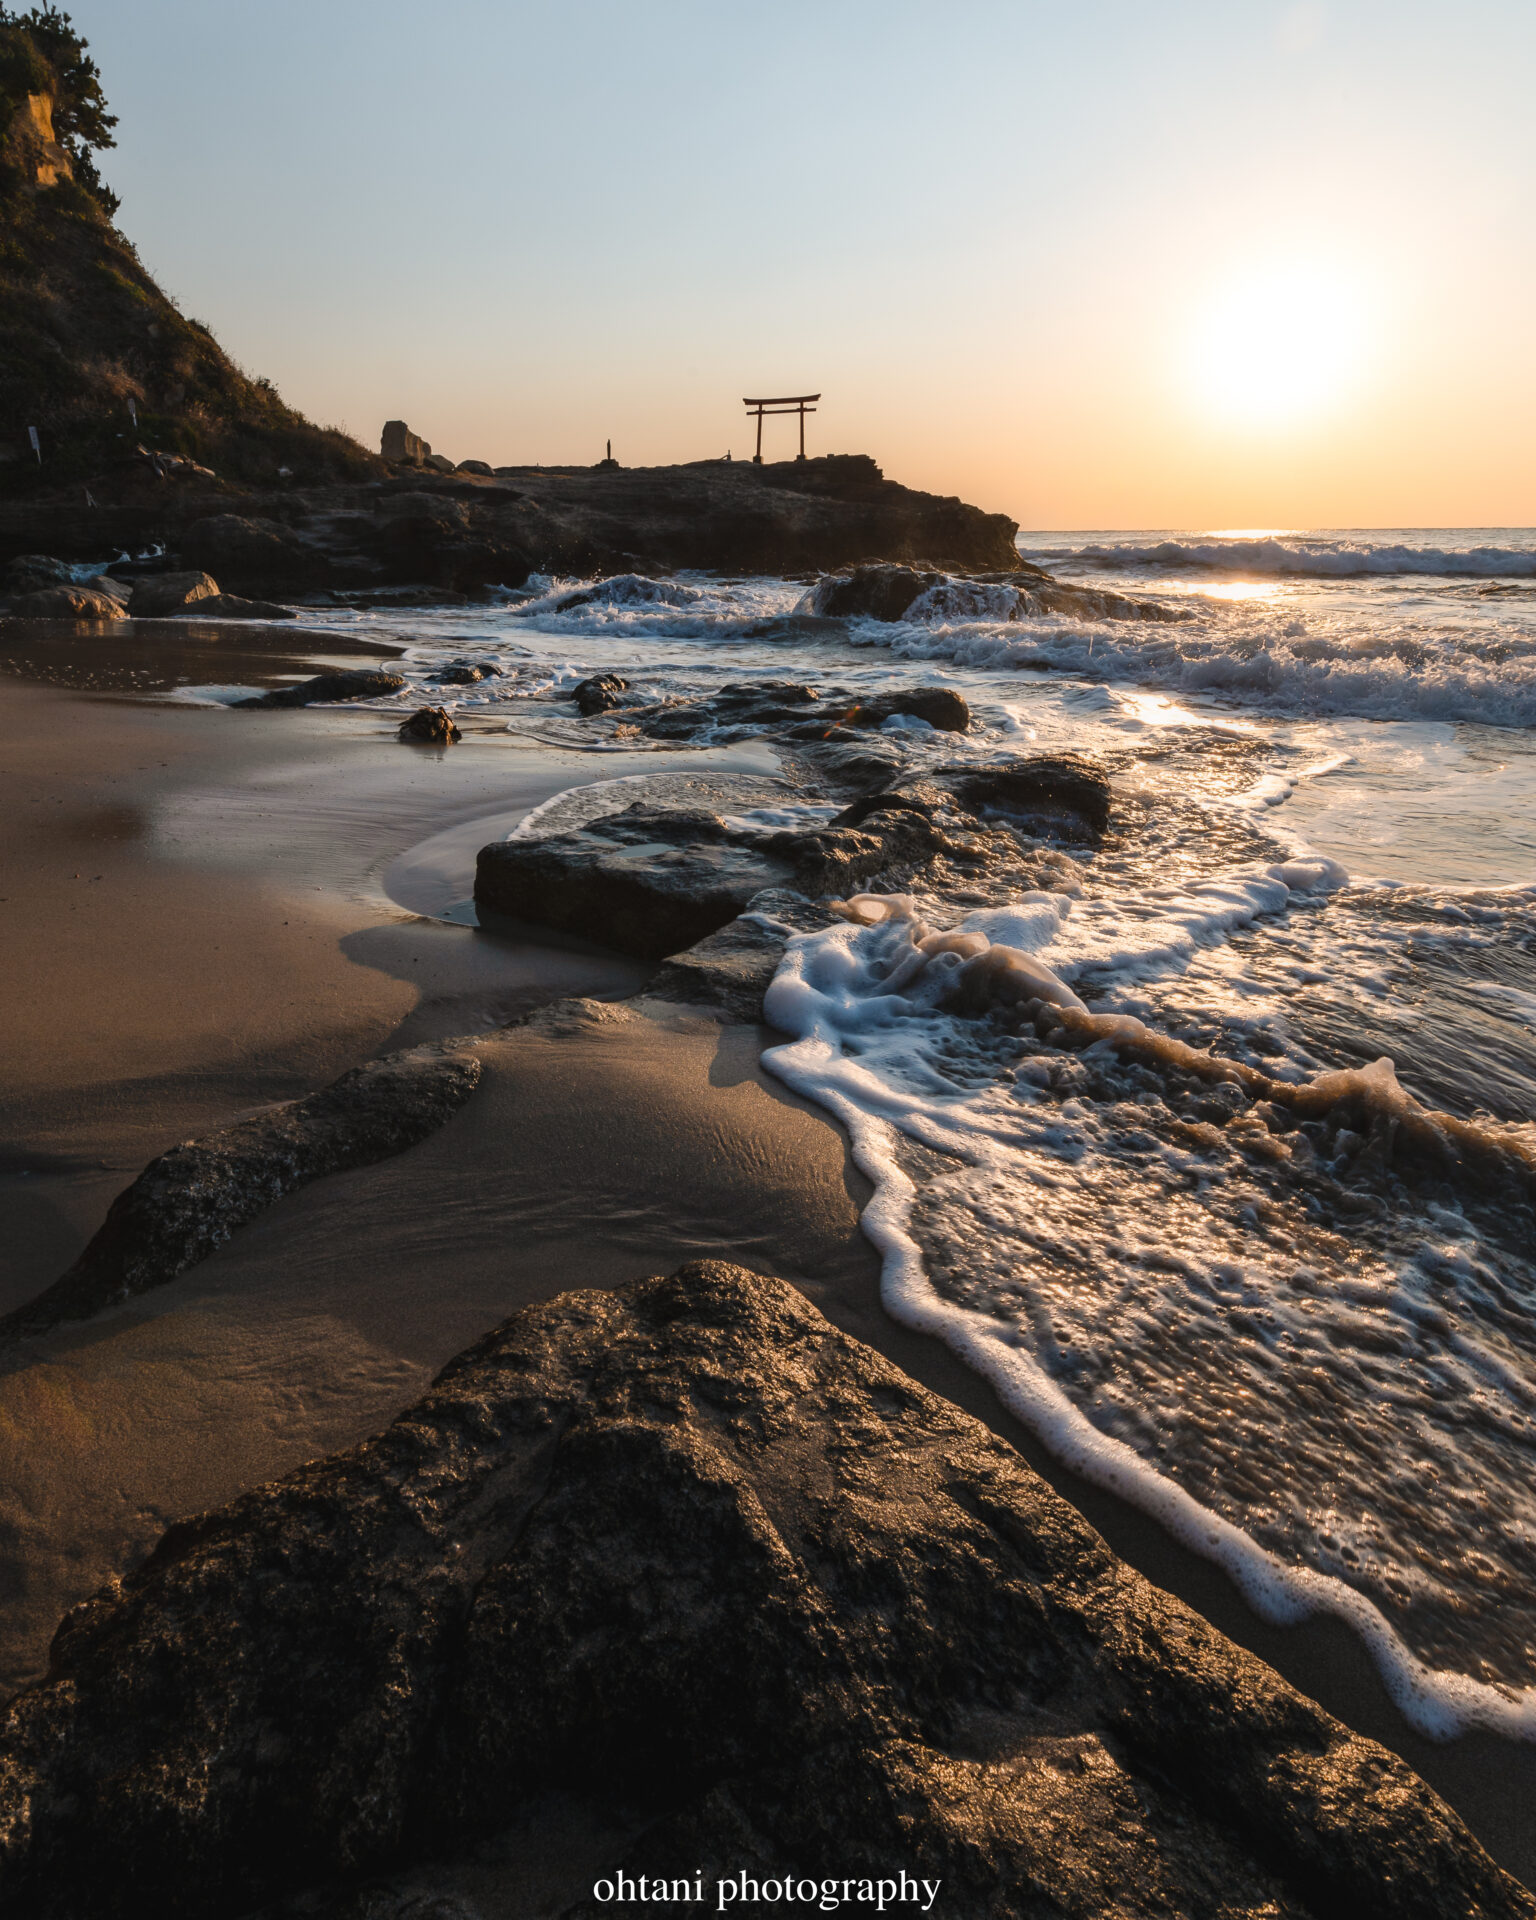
x=648, y=881
x=689, y=1557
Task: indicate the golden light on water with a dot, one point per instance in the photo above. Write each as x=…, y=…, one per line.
x=1279, y=346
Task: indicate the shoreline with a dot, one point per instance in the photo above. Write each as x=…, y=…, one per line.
x=124, y=1058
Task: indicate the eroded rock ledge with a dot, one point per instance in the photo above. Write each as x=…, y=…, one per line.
x=689, y=1557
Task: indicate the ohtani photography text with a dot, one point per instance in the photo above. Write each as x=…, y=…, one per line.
x=788, y=1890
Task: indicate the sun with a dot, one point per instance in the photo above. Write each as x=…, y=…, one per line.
x=1279, y=346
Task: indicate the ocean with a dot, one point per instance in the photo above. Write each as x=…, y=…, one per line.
x=1308, y=1355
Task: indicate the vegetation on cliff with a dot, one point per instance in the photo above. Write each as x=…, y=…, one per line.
x=87, y=339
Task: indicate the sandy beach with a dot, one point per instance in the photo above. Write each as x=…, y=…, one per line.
x=195, y=925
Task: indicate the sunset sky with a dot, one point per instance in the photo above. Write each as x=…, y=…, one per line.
x=1096, y=265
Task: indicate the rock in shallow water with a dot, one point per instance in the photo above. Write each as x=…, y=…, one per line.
x=687, y=1554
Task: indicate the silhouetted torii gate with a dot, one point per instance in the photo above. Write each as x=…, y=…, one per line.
x=787, y=403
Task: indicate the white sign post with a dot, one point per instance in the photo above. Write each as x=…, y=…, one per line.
x=36, y=445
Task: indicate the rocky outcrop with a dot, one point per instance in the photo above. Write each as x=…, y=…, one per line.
x=401, y=447
x=191, y=1199
x=687, y=1557
x=67, y=603
x=358, y=683
x=467, y=530
x=251, y=555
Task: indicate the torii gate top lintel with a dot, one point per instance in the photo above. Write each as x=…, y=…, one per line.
x=800, y=403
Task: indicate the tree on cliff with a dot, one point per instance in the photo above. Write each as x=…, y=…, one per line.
x=40, y=52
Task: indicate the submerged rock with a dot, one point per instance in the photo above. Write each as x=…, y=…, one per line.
x=67, y=603
x=433, y=726
x=940, y=707
x=890, y=593
x=797, y=712
x=690, y=1557
x=465, y=675
x=357, y=684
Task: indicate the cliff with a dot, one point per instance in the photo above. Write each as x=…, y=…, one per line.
x=84, y=329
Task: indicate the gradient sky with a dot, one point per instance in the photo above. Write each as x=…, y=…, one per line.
x=1098, y=263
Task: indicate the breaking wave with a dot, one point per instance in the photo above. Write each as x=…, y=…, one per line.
x=1316, y=558
x=1312, y=667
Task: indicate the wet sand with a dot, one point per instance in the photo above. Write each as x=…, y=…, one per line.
x=210, y=970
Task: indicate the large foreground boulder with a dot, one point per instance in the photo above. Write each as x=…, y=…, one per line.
x=688, y=1559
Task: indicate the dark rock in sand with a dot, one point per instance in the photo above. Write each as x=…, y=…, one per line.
x=189, y=1200
x=598, y=693
x=67, y=603
x=158, y=595
x=686, y=1554
x=230, y=606
x=648, y=881
x=358, y=684
x=433, y=726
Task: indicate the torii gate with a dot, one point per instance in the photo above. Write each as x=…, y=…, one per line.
x=789, y=403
